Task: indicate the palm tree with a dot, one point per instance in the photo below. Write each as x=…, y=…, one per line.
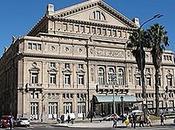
x=157, y=40
x=137, y=42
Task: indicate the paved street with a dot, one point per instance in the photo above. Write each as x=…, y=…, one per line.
x=64, y=128
x=95, y=125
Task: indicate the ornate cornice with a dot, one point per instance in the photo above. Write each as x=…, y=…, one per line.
x=88, y=23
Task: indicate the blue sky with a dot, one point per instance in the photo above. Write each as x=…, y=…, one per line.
x=19, y=16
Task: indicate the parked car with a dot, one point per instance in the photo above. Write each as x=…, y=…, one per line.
x=5, y=121
x=22, y=121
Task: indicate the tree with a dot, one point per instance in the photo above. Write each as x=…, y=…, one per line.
x=157, y=40
x=138, y=40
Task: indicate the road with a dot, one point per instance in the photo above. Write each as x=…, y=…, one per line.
x=47, y=127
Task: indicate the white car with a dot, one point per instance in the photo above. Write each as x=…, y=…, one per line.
x=22, y=121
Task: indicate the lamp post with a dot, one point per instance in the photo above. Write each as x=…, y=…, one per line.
x=122, y=104
x=141, y=65
x=112, y=81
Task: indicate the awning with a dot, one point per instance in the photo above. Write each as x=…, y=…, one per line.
x=117, y=98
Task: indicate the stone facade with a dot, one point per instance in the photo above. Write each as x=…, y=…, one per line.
x=68, y=57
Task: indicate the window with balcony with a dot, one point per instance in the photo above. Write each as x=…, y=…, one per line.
x=138, y=81
x=120, y=76
x=101, y=76
x=148, y=81
x=169, y=81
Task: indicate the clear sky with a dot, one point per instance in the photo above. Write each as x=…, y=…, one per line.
x=19, y=16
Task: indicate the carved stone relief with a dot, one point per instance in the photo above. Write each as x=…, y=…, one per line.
x=110, y=53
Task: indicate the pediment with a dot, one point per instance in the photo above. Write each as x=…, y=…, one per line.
x=95, y=11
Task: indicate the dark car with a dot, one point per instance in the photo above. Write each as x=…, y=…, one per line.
x=5, y=121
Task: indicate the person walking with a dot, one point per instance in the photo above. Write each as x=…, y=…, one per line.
x=162, y=118
x=141, y=120
x=11, y=122
x=68, y=118
x=148, y=120
x=115, y=121
x=134, y=118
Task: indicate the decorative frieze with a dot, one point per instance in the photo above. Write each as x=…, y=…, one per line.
x=110, y=53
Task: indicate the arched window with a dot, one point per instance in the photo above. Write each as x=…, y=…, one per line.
x=101, y=76
x=120, y=77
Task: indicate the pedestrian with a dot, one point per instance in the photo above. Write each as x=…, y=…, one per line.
x=162, y=117
x=68, y=118
x=141, y=120
x=62, y=118
x=53, y=118
x=130, y=120
x=148, y=120
x=134, y=117
x=11, y=122
x=115, y=121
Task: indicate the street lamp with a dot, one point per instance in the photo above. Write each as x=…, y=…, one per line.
x=122, y=104
x=141, y=65
x=112, y=81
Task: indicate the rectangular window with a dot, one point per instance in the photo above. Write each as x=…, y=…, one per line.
x=76, y=28
x=82, y=29
x=93, y=30
x=30, y=46
x=34, y=78
x=88, y=30
x=104, y=32
x=138, y=81
x=52, y=78
x=114, y=33
x=99, y=31
x=67, y=79
x=81, y=79
x=39, y=47
x=34, y=46
x=109, y=32
x=120, y=34
x=148, y=81
x=71, y=27
x=65, y=26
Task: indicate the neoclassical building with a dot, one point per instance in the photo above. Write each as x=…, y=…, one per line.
x=75, y=60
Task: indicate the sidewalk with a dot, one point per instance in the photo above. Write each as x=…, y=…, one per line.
x=105, y=124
